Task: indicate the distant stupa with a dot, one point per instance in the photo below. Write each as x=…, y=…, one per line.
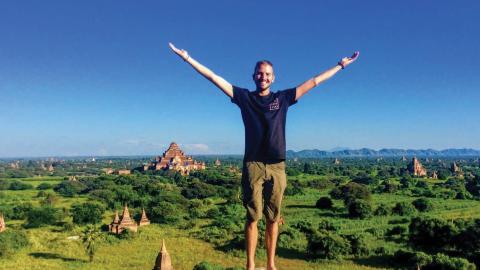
x=143, y=219
x=163, y=261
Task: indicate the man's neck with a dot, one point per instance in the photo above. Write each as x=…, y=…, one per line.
x=263, y=92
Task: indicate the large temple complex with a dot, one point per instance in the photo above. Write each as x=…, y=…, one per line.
x=173, y=159
x=416, y=168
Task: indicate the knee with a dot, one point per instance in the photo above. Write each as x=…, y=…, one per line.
x=251, y=224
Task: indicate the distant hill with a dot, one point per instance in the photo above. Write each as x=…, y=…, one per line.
x=366, y=152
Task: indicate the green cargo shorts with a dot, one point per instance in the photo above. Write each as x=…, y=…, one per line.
x=263, y=185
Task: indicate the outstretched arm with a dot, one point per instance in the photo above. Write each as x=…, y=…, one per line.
x=220, y=82
x=327, y=74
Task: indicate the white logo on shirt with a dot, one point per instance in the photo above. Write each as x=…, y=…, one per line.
x=275, y=105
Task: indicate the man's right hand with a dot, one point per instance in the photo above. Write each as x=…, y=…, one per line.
x=182, y=53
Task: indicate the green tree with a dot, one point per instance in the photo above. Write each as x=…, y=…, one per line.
x=45, y=215
x=87, y=213
x=90, y=238
x=423, y=205
x=324, y=203
x=360, y=209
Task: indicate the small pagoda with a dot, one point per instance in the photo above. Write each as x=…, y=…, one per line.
x=126, y=222
x=163, y=261
x=143, y=220
x=3, y=226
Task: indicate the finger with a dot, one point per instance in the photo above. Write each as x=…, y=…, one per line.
x=171, y=46
x=355, y=55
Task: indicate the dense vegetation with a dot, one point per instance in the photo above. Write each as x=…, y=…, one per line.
x=364, y=210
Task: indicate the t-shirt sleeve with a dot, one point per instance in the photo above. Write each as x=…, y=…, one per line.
x=289, y=96
x=239, y=95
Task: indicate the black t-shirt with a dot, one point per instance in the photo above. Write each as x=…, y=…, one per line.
x=264, y=119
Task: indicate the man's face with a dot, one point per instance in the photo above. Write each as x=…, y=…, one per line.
x=263, y=77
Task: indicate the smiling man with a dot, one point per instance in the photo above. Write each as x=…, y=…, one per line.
x=264, y=115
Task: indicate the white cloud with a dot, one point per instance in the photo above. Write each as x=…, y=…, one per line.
x=195, y=148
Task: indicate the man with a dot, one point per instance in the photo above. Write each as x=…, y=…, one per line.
x=264, y=117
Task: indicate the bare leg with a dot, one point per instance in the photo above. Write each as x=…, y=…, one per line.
x=271, y=235
x=251, y=238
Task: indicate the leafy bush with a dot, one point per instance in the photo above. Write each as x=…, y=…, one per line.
x=431, y=232
x=294, y=188
x=50, y=199
x=167, y=213
x=359, y=209
x=350, y=192
x=199, y=190
x=70, y=188
x=290, y=238
x=327, y=226
x=87, y=213
x=17, y=185
x=423, y=205
x=44, y=186
x=442, y=261
x=207, y=266
x=11, y=241
x=383, y=210
x=324, y=203
x=41, y=216
x=397, y=230
x=327, y=245
x=403, y=209
x=358, y=246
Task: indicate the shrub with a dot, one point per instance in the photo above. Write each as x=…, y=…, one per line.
x=207, y=266
x=423, y=205
x=70, y=188
x=411, y=259
x=290, y=238
x=20, y=211
x=390, y=186
x=87, y=213
x=403, y=209
x=442, y=261
x=383, y=210
x=327, y=245
x=11, y=241
x=199, y=190
x=350, y=192
x=41, y=216
x=294, y=188
x=359, y=209
x=17, y=185
x=44, y=186
x=167, y=213
x=50, y=199
x=324, y=203
x=327, y=226
x=431, y=232
x=397, y=230
x=358, y=245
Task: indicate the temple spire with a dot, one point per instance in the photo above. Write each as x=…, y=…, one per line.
x=163, y=261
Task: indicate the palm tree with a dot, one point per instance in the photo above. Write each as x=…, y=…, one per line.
x=89, y=238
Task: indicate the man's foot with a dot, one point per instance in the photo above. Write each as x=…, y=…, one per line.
x=272, y=268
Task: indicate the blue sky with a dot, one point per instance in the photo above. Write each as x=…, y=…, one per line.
x=97, y=77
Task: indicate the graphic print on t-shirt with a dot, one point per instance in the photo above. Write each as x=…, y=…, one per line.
x=275, y=105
